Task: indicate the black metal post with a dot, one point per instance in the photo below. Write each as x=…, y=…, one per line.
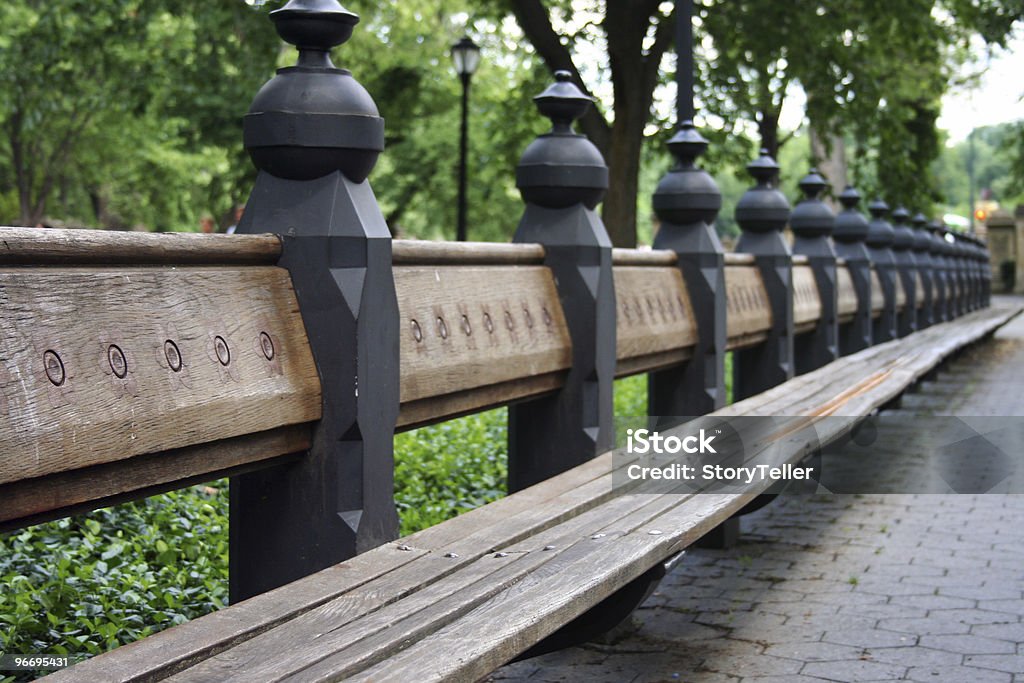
x=925, y=271
x=906, y=268
x=460, y=231
x=684, y=61
x=315, y=134
x=940, y=276
x=686, y=202
x=879, y=241
x=562, y=177
x=850, y=233
x=812, y=223
x=762, y=213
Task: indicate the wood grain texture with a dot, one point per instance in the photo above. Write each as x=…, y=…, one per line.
x=422, y=252
x=27, y=246
x=654, y=320
x=877, y=297
x=847, y=306
x=806, y=301
x=87, y=374
x=467, y=328
x=643, y=257
x=32, y=501
x=748, y=315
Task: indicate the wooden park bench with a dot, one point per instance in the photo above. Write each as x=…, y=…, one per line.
x=287, y=358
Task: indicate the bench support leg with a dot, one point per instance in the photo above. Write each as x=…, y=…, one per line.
x=724, y=536
x=292, y=520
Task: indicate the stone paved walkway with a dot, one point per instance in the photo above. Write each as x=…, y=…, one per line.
x=858, y=587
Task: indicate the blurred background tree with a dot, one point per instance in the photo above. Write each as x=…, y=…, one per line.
x=126, y=114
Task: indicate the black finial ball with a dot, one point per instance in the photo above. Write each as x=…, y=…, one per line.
x=561, y=168
x=313, y=119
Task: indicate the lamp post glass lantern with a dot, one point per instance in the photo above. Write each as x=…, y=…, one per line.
x=466, y=57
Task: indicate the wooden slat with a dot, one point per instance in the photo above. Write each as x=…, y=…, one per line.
x=847, y=295
x=417, y=252
x=806, y=301
x=877, y=297
x=32, y=501
x=901, y=294
x=100, y=247
x=643, y=257
x=734, y=259
x=748, y=315
x=67, y=329
x=654, y=322
x=473, y=337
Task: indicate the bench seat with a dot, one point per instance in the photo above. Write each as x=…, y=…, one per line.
x=459, y=599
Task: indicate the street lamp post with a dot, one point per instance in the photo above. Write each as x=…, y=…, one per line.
x=466, y=57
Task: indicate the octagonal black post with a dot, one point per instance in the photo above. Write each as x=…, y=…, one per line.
x=939, y=279
x=762, y=213
x=906, y=268
x=964, y=270
x=562, y=177
x=879, y=241
x=314, y=134
x=943, y=283
x=925, y=271
x=812, y=223
x=850, y=232
x=686, y=202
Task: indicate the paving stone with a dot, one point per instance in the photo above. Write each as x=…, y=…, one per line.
x=1013, y=664
x=914, y=656
x=814, y=652
x=990, y=591
x=855, y=671
x=933, y=625
x=867, y=638
x=1013, y=632
x=969, y=644
x=956, y=674
x=932, y=602
x=755, y=665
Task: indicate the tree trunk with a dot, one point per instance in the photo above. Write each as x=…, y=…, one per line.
x=829, y=154
x=620, y=204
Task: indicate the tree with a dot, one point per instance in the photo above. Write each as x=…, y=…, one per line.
x=637, y=34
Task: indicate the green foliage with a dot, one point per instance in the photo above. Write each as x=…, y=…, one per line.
x=90, y=583
x=449, y=468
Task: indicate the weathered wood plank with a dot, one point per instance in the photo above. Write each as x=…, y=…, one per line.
x=806, y=301
x=877, y=297
x=748, y=315
x=422, y=252
x=32, y=501
x=654, y=325
x=466, y=328
x=643, y=257
x=847, y=305
x=99, y=365
x=507, y=520
x=28, y=246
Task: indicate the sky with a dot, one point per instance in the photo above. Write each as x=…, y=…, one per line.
x=996, y=99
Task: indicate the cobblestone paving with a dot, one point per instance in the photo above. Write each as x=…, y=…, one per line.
x=860, y=587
